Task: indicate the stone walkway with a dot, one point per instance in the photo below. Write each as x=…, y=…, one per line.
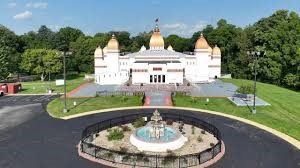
x=158, y=99
x=90, y=89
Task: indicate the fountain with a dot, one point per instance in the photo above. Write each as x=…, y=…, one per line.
x=156, y=137
x=157, y=129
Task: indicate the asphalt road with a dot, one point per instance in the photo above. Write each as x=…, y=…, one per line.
x=30, y=138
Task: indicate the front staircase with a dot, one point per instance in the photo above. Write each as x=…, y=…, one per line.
x=158, y=99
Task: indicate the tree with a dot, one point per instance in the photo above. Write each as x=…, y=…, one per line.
x=291, y=80
x=179, y=44
x=41, y=61
x=140, y=40
x=9, y=56
x=43, y=38
x=279, y=37
x=124, y=40
x=102, y=39
x=65, y=36
x=83, y=53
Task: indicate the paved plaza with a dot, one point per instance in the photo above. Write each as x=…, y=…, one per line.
x=216, y=88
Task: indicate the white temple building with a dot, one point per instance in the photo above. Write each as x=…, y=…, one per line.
x=157, y=65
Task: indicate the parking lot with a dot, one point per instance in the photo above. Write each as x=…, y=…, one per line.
x=28, y=99
x=15, y=110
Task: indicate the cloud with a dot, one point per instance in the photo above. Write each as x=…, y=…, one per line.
x=23, y=15
x=12, y=4
x=55, y=27
x=174, y=26
x=198, y=27
x=37, y=5
x=183, y=29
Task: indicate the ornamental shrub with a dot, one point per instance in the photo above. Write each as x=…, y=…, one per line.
x=245, y=89
x=115, y=134
x=139, y=122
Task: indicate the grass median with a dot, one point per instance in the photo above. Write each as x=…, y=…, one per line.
x=37, y=87
x=56, y=106
x=283, y=114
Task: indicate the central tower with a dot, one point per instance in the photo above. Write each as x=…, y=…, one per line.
x=156, y=40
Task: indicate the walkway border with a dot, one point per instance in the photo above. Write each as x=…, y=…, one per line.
x=279, y=134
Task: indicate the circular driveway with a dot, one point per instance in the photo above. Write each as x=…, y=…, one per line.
x=42, y=141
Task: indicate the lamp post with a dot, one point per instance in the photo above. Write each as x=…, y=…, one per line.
x=49, y=77
x=255, y=55
x=65, y=86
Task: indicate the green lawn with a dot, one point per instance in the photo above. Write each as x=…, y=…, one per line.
x=89, y=104
x=283, y=114
x=73, y=81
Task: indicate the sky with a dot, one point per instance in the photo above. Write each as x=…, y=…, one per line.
x=182, y=17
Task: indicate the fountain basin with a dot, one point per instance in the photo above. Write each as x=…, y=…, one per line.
x=171, y=140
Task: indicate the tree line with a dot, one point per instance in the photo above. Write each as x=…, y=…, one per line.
x=277, y=36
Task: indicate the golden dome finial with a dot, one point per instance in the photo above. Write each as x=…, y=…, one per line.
x=113, y=43
x=156, y=40
x=201, y=43
x=201, y=35
x=216, y=50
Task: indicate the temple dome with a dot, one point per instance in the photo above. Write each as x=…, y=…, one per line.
x=143, y=48
x=156, y=40
x=201, y=43
x=105, y=50
x=210, y=50
x=98, y=52
x=216, y=50
x=170, y=48
x=113, y=43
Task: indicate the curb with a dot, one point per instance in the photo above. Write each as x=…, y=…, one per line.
x=34, y=94
x=279, y=134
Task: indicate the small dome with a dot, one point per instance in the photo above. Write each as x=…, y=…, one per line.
x=113, y=43
x=156, y=40
x=143, y=48
x=210, y=50
x=170, y=48
x=98, y=52
x=105, y=50
x=201, y=43
x=216, y=50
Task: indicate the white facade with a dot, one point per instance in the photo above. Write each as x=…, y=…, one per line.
x=157, y=65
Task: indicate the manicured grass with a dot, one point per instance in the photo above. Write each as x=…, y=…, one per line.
x=73, y=81
x=89, y=104
x=283, y=114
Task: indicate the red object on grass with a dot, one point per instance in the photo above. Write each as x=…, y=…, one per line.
x=3, y=87
x=13, y=88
